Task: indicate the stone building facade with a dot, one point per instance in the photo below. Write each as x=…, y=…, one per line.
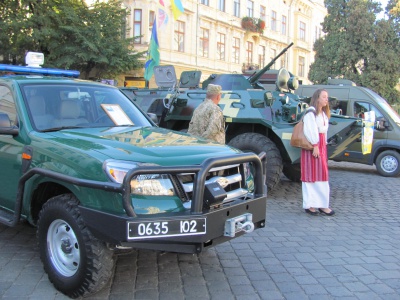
x=212, y=35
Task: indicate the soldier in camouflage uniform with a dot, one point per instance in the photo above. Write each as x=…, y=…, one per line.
x=207, y=120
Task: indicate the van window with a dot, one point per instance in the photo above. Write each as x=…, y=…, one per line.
x=362, y=107
x=338, y=107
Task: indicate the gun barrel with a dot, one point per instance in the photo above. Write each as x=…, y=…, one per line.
x=257, y=76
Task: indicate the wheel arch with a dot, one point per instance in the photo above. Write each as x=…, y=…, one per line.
x=42, y=192
x=382, y=146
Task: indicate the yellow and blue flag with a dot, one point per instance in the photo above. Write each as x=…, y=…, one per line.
x=177, y=8
x=153, y=54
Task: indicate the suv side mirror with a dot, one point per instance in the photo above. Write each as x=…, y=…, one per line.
x=5, y=125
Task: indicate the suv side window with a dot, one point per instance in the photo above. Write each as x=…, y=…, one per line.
x=7, y=104
x=362, y=107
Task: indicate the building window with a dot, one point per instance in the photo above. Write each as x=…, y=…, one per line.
x=221, y=5
x=236, y=8
x=205, y=2
x=250, y=8
x=273, y=20
x=283, y=29
x=302, y=63
x=204, y=42
x=262, y=13
x=273, y=55
x=236, y=50
x=137, y=26
x=283, y=61
x=302, y=31
x=249, y=53
x=261, y=56
x=179, y=36
x=221, y=46
x=316, y=34
x=151, y=18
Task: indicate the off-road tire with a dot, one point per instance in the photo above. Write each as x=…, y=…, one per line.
x=82, y=269
x=388, y=163
x=255, y=142
x=292, y=172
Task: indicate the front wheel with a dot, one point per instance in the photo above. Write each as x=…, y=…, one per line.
x=388, y=163
x=255, y=142
x=292, y=171
x=76, y=262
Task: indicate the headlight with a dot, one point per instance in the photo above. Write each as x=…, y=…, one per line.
x=146, y=184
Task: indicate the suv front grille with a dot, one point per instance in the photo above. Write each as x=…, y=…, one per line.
x=230, y=178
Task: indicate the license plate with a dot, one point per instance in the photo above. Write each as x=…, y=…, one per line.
x=166, y=228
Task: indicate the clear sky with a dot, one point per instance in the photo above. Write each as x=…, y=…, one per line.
x=383, y=3
x=383, y=6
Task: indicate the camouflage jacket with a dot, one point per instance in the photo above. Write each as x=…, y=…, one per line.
x=208, y=122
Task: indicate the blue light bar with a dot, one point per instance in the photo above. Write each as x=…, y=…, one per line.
x=40, y=71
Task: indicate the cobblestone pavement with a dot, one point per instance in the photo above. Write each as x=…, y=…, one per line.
x=352, y=255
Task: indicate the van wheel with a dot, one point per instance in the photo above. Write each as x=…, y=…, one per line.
x=76, y=262
x=255, y=142
x=292, y=171
x=388, y=163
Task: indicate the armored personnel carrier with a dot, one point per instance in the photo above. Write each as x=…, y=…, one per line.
x=257, y=119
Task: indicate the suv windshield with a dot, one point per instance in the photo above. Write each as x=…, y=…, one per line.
x=75, y=105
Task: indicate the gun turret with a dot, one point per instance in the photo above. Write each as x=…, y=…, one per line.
x=253, y=79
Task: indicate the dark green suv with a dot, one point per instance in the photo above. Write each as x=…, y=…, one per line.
x=94, y=174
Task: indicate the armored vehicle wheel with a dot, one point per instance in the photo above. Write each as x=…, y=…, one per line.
x=75, y=261
x=388, y=163
x=255, y=142
x=292, y=172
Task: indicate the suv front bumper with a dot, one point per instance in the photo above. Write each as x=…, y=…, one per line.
x=186, y=238
x=191, y=231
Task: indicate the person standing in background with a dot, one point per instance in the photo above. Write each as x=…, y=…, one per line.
x=207, y=120
x=314, y=163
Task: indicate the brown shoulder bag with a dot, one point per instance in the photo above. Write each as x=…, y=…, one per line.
x=298, y=138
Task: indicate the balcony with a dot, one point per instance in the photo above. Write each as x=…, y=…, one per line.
x=255, y=25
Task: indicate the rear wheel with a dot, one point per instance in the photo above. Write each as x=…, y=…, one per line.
x=255, y=142
x=388, y=163
x=76, y=262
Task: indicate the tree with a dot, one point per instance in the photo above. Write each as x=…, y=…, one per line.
x=358, y=47
x=15, y=31
x=393, y=12
x=72, y=35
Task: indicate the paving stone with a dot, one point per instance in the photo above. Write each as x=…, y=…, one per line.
x=352, y=255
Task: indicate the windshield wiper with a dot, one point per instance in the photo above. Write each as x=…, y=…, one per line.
x=61, y=128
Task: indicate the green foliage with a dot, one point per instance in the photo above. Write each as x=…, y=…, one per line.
x=70, y=34
x=358, y=47
x=253, y=24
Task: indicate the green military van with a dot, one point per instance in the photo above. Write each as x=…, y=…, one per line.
x=354, y=101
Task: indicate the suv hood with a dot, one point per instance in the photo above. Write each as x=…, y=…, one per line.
x=145, y=144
